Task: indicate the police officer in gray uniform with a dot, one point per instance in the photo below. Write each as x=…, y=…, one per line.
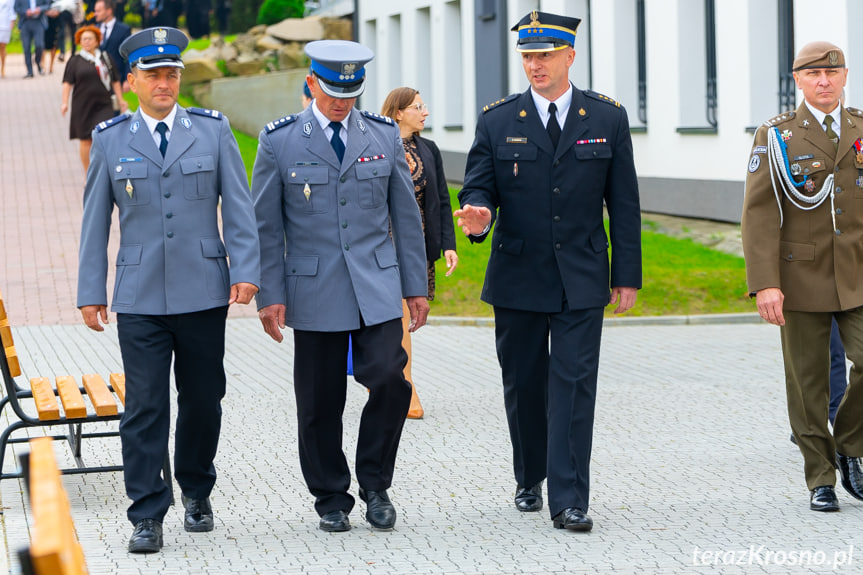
x=328, y=186
x=166, y=169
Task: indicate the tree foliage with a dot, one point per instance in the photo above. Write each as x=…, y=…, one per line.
x=274, y=11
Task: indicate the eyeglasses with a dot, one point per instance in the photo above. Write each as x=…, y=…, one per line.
x=419, y=107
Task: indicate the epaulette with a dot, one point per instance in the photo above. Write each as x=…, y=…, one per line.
x=601, y=98
x=780, y=118
x=208, y=113
x=509, y=98
x=855, y=112
x=281, y=122
x=378, y=117
x=112, y=122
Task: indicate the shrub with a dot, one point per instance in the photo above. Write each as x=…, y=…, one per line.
x=274, y=11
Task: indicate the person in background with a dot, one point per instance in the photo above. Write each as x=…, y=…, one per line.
x=406, y=107
x=306, y=97
x=93, y=76
x=7, y=20
x=32, y=23
x=114, y=33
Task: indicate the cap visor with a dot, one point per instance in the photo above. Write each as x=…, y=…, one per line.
x=159, y=64
x=540, y=47
x=343, y=92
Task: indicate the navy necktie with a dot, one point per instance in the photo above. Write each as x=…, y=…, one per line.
x=336, y=141
x=162, y=128
x=552, y=126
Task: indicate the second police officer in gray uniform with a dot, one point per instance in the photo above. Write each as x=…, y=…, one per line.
x=329, y=184
x=166, y=169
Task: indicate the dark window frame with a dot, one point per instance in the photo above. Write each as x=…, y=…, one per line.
x=787, y=87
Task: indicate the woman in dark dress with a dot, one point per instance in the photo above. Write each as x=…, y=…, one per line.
x=406, y=107
x=94, y=78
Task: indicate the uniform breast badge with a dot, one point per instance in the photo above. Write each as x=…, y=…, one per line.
x=307, y=191
x=129, y=188
x=786, y=135
x=514, y=169
x=858, y=145
x=809, y=185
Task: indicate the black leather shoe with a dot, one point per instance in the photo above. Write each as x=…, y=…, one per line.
x=573, y=519
x=30, y=75
x=199, y=515
x=147, y=537
x=335, y=522
x=823, y=499
x=528, y=498
x=379, y=510
x=852, y=475
x=41, y=71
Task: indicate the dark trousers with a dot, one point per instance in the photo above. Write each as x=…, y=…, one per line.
x=320, y=385
x=196, y=342
x=33, y=33
x=838, y=371
x=549, y=363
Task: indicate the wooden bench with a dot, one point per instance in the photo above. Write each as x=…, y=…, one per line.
x=54, y=547
x=100, y=406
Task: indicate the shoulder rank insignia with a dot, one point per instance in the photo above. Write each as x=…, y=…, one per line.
x=509, y=98
x=601, y=98
x=280, y=123
x=855, y=112
x=112, y=122
x=208, y=113
x=378, y=117
x=781, y=118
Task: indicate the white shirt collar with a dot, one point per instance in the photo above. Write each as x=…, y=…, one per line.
x=836, y=114
x=325, y=122
x=562, y=103
x=153, y=122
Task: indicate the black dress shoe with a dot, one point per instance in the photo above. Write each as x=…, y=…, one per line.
x=147, y=537
x=30, y=75
x=852, y=474
x=528, y=498
x=573, y=519
x=199, y=515
x=823, y=499
x=379, y=510
x=335, y=521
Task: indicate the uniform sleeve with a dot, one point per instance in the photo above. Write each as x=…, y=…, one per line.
x=267, y=197
x=407, y=224
x=447, y=229
x=479, y=182
x=624, y=210
x=760, y=222
x=95, y=229
x=238, y=214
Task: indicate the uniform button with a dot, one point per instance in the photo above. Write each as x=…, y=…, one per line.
x=342, y=201
x=344, y=224
x=556, y=218
x=199, y=164
x=790, y=256
x=556, y=190
x=557, y=246
x=838, y=211
x=516, y=155
x=347, y=247
x=342, y=179
x=375, y=172
x=838, y=232
x=169, y=215
x=838, y=190
x=805, y=170
x=500, y=246
x=166, y=174
x=556, y=163
x=170, y=234
x=167, y=194
x=293, y=270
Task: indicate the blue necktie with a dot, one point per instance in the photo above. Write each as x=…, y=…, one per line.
x=336, y=141
x=162, y=128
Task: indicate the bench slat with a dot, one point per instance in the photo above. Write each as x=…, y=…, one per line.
x=9, y=348
x=70, y=396
x=99, y=395
x=43, y=394
x=54, y=546
x=118, y=382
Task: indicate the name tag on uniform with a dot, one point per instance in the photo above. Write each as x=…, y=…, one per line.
x=513, y=140
x=124, y=160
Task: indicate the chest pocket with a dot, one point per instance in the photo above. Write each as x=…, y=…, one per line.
x=316, y=178
x=516, y=153
x=131, y=175
x=593, y=152
x=199, y=177
x=373, y=179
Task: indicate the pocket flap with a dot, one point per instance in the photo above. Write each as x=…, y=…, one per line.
x=593, y=151
x=512, y=246
x=197, y=164
x=516, y=152
x=129, y=255
x=792, y=251
x=130, y=171
x=301, y=266
x=373, y=169
x=213, y=248
x=308, y=175
x=598, y=240
x=809, y=166
x=386, y=256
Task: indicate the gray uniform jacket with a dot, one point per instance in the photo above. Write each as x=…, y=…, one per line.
x=172, y=259
x=326, y=249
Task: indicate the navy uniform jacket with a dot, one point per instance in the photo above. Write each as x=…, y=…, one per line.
x=549, y=241
x=172, y=259
x=329, y=256
x=112, y=46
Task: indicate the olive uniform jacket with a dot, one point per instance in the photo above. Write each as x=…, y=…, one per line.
x=817, y=269
x=327, y=253
x=549, y=240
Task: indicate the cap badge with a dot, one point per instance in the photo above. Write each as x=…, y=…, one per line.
x=534, y=19
x=348, y=71
x=833, y=56
x=160, y=36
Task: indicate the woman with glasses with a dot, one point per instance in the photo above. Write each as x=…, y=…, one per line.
x=406, y=107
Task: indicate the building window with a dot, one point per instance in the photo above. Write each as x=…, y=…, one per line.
x=424, y=70
x=369, y=98
x=642, y=62
x=710, y=49
x=787, y=88
x=394, y=37
x=698, y=86
x=453, y=99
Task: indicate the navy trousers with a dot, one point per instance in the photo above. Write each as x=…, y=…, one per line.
x=148, y=343
x=32, y=32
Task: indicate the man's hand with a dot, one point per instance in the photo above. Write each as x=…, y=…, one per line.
x=418, y=306
x=273, y=320
x=472, y=219
x=92, y=314
x=242, y=293
x=625, y=295
x=769, y=302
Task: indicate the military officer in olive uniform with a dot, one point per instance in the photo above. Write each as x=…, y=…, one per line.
x=166, y=169
x=329, y=184
x=802, y=233
x=542, y=165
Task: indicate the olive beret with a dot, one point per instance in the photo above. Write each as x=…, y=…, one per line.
x=819, y=55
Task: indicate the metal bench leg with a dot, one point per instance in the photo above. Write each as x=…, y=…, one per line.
x=74, y=439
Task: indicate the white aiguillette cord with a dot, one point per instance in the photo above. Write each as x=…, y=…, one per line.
x=779, y=170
